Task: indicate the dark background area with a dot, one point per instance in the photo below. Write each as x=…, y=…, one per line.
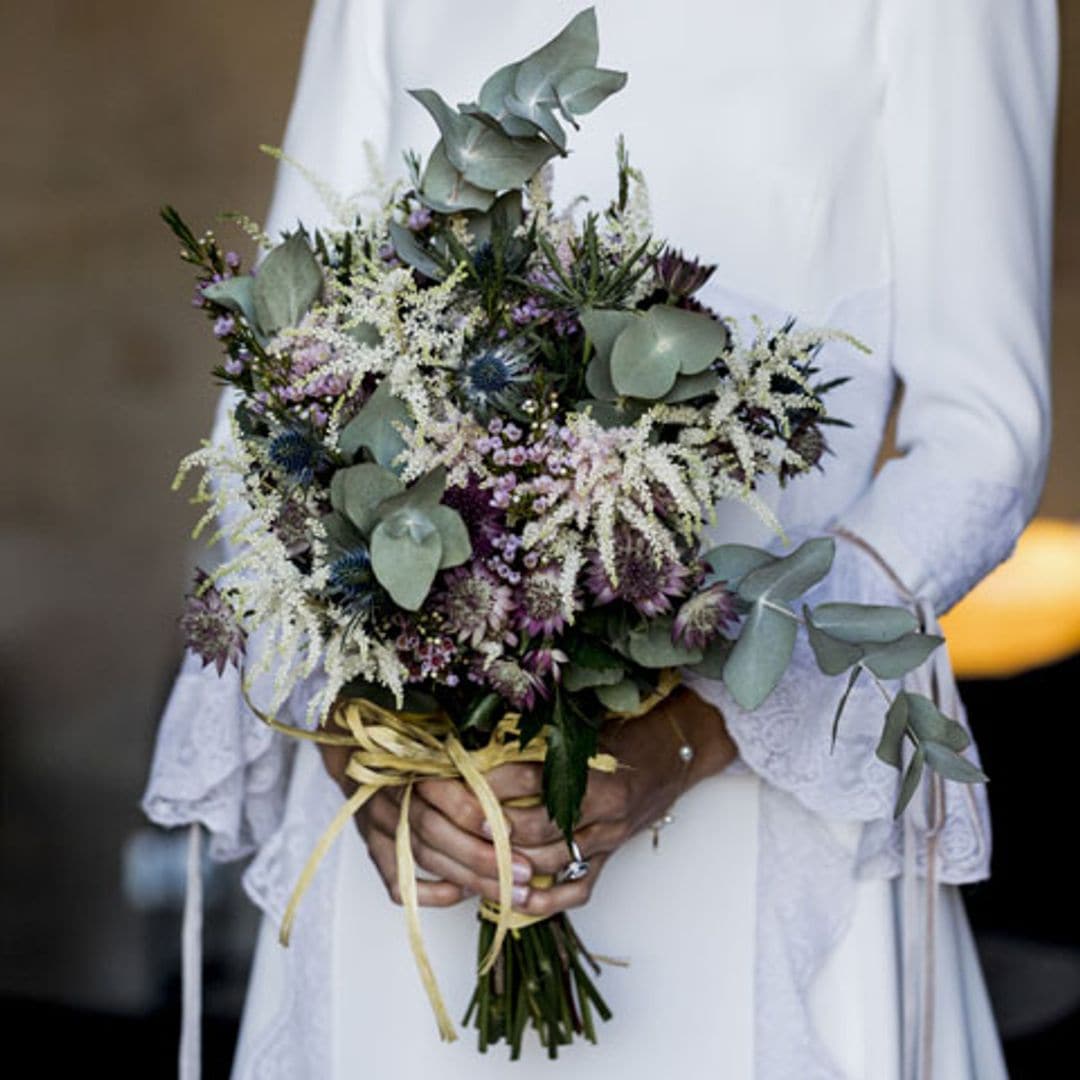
x=109, y=110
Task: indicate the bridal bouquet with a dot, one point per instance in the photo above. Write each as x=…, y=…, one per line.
x=474, y=448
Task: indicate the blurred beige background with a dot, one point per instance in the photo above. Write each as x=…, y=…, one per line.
x=108, y=110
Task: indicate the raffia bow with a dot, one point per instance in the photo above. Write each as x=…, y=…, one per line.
x=392, y=748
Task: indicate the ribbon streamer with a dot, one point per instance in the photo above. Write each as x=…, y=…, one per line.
x=395, y=749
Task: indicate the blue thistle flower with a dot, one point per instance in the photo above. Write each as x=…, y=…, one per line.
x=491, y=377
x=351, y=579
x=296, y=454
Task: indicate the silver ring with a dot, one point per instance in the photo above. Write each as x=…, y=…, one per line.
x=576, y=868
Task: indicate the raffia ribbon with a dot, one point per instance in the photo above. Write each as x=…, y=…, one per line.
x=392, y=748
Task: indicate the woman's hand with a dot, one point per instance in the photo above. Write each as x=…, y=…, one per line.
x=448, y=840
x=619, y=805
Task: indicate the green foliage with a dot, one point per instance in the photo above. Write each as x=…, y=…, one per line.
x=566, y=765
x=375, y=429
x=651, y=646
x=288, y=283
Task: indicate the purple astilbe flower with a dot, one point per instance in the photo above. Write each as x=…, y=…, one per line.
x=704, y=616
x=516, y=684
x=540, y=604
x=643, y=581
x=210, y=627
x=475, y=604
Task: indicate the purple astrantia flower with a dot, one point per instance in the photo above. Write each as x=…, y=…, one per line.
x=475, y=604
x=704, y=616
x=210, y=627
x=516, y=684
x=540, y=604
x=544, y=661
x=643, y=581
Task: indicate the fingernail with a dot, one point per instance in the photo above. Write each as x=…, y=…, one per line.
x=520, y=893
x=522, y=873
x=485, y=828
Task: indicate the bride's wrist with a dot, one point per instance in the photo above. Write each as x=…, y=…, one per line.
x=705, y=732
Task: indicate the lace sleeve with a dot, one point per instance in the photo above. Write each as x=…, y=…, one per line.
x=967, y=135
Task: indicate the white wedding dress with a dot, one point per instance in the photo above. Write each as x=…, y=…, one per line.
x=883, y=166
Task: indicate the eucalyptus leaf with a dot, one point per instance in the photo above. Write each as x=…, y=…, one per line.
x=890, y=746
x=612, y=414
x=405, y=559
x=575, y=677
x=235, y=293
x=691, y=386
x=373, y=427
x=931, y=725
x=598, y=379
x=410, y=252
x=695, y=338
x=358, y=491
x=853, y=678
x=445, y=189
x=760, y=656
x=364, y=333
x=423, y=496
x=602, y=326
x=289, y=281
x=621, y=697
x=832, y=655
x=910, y=783
x=732, y=562
x=714, y=657
x=581, y=91
x=897, y=658
x=456, y=546
x=791, y=575
x=864, y=624
x=652, y=647
x=341, y=535
x=638, y=369
x=950, y=764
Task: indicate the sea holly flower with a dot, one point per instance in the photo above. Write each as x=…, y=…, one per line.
x=492, y=377
x=352, y=580
x=704, y=616
x=210, y=626
x=642, y=579
x=296, y=454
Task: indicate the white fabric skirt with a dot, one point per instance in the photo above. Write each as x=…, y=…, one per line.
x=684, y=918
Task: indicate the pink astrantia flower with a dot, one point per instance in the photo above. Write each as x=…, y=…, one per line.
x=704, y=616
x=210, y=627
x=540, y=604
x=476, y=604
x=643, y=581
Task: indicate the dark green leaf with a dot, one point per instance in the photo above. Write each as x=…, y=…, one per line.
x=950, y=764
x=897, y=658
x=890, y=746
x=833, y=656
x=910, y=782
x=566, y=766
x=853, y=678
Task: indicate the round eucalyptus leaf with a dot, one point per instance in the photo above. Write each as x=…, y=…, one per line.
x=288, y=283
x=358, y=491
x=444, y=189
x=581, y=91
x=652, y=646
x=833, y=656
x=456, y=546
x=403, y=564
x=791, y=575
x=576, y=677
x=864, y=624
x=374, y=427
x=622, y=697
x=760, y=656
x=897, y=658
x=638, y=368
x=732, y=562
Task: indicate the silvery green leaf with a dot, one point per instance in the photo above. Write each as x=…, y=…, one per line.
x=612, y=414
x=732, y=562
x=622, y=697
x=424, y=495
x=853, y=678
x=714, y=657
x=492, y=100
x=910, y=782
x=950, y=764
x=603, y=325
x=696, y=338
x=489, y=159
x=576, y=45
x=576, y=677
x=637, y=368
x=580, y=91
x=832, y=655
x=453, y=127
x=456, y=546
x=652, y=646
x=538, y=113
x=444, y=189
x=506, y=211
x=864, y=624
x=691, y=386
x=411, y=253
x=929, y=723
x=373, y=427
x=760, y=656
x=897, y=658
x=341, y=534
x=235, y=293
x=358, y=491
x=791, y=575
x=598, y=379
x=405, y=559
x=289, y=281
x=889, y=747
